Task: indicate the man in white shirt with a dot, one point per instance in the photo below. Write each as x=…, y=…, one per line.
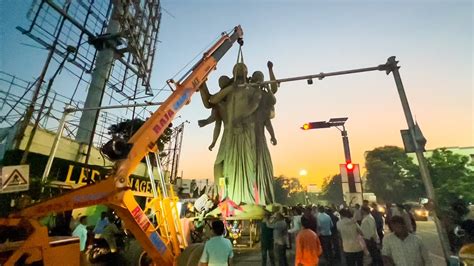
x=349, y=231
x=401, y=248
x=369, y=232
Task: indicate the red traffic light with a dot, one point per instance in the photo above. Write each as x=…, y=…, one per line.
x=349, y=166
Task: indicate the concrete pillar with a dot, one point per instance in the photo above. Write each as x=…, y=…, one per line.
x=100, y=75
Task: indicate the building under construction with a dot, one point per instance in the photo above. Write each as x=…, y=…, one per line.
x=103, y=54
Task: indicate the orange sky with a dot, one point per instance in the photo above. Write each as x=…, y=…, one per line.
x=432, y=40
x=433, y=43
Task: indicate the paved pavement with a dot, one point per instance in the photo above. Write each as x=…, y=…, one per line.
x=425, y=230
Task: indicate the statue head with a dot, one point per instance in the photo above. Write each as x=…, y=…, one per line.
x=257, y=76
x=224, y=81
x=240, y=71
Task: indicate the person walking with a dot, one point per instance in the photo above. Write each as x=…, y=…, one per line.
x=402, y=247
x=308, y=246
x=371, y=238
x=349, y=231
x=280, y=236
x=218, y=250
x=266, y=240
x=324, y=232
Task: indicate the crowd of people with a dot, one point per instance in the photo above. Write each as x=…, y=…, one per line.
x=321, y=231
x=333, y=235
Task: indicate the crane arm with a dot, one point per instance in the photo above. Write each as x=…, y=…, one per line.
x=145, y=138
x=114, y=191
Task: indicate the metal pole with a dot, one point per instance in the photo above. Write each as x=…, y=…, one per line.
x=24, y=157
x=54, y=148
x=317, y=76
x=425, y=174
x=151, y=176
x=345, y=143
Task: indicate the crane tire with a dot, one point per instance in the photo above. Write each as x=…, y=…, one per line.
x=191, y=255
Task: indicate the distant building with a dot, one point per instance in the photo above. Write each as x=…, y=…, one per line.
x=193, y=188
x=466, y=151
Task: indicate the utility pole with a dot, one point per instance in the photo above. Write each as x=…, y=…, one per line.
x=392, y=66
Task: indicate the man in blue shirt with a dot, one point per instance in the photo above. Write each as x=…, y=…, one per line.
x=217, y=250
x=324, y=231
x=101, y=224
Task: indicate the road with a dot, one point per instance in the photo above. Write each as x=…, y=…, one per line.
x=425, y=230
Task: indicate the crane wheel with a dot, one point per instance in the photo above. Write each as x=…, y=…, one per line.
x=191, y=255
x=134, y=255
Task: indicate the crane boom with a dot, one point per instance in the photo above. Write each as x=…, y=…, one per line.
x=114, y=191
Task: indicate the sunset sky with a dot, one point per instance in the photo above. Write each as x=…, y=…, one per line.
x=433, y=40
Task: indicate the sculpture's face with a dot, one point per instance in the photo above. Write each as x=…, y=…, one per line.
x=240, y=70
x=257, y=76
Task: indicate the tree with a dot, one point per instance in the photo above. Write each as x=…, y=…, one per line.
x=127, y=128
x=451, y=176
x=392, y=175
x=332, y=189
x=288, y=191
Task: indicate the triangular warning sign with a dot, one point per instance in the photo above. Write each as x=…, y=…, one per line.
x=15, y=179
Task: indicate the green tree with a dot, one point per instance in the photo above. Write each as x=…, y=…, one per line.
x=392, y=175
x=288, y=191
x=332, y=189
x=127, y=128
x=452, y=178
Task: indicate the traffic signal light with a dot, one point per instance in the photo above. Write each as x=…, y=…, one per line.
x=349, y=166
x=313, y=125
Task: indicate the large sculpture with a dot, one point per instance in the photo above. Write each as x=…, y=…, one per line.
x=243, y=159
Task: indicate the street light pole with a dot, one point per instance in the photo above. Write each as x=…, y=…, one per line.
x=345, y=143
x=425, y=174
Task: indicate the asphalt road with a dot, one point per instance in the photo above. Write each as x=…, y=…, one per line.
x=425, y=230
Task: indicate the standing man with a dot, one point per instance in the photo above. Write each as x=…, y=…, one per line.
x=403, y=248
x=266, y=240
x=324, y=232
x=378, y=220
x=308, y=247
x=217, y=250
x=101, y=224
x=295, y=224
x=349, y=231
x=280, y=235
x=371, y=238
x=81, y=232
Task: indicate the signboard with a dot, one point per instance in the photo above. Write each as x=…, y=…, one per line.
x=312, y=188
x=15, y=178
